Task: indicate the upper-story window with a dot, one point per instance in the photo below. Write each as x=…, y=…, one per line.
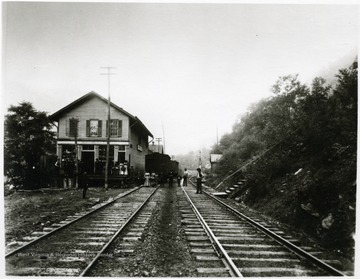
x=93, y=128
x=72, y=127
x=115, y=128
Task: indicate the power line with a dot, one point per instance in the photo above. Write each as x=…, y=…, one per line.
x=257, y=157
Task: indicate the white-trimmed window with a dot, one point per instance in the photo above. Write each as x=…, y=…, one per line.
x=93, y=128
x=72, y=127
x=115, y=127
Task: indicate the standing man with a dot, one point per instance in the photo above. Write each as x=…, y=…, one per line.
x=85, y=184
x=97, y=166
x=171, y=177
x=147, y=179
x=57, y=168
x=178, y=177
x=185, y=177
x=198, y=181
x=162, y=179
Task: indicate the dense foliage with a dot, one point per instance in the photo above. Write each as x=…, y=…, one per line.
x=28, y=138
x=302, y=143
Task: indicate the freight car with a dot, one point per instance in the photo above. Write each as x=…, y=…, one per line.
x=160, y=163
x=174, y=166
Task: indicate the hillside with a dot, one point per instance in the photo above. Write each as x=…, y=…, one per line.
x=308, y=194
x=296, y=154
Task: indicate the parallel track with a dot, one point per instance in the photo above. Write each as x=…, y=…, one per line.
x=48, y=231
x=246, y=248
x=74, y=248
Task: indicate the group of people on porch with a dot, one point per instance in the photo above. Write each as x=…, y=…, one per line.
x=114, y=168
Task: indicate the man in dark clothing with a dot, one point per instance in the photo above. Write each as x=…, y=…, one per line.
x=186, y=173
x=162, y=179
x=97, y=166
x=170, y=177
x=85, y=184
x=199, y=181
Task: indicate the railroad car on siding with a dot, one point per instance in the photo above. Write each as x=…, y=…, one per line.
x=157, y=163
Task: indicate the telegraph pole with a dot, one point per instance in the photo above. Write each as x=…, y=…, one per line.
x=217, y=136
x=200, y=159
x=106, y=185
x=163, y=136
x=158, y=143
x=74, y=122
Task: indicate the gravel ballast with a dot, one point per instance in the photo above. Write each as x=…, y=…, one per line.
x=162, y=251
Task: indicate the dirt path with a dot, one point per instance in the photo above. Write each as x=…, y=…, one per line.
x=166, y=246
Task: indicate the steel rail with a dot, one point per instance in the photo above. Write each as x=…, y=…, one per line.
x=214, y=239
x=71, y=222
x=116, y=234
x=297, y=250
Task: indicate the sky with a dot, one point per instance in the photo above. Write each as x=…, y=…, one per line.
x=187, y=70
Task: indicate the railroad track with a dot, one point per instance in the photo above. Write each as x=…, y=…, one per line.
x=75, y=246
x=228, y=243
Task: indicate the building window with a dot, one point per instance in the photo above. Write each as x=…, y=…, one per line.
x=93, y=128
x=68, y=152
x=121, y=157
x=121, y=154
x=102, y=153
x=115, y=128
x=72, y=127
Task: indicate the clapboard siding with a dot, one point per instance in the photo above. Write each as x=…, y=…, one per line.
x=93, y=109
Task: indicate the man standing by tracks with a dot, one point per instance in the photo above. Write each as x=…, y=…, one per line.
x=171, y=177
x=85, y=184
x=199, y=181
x=185, y=176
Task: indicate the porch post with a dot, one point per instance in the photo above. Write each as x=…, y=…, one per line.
x=116, y=154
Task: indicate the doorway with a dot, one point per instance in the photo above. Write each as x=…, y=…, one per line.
x=87, y=159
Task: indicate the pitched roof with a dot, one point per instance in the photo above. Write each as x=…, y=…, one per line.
x=134, y=120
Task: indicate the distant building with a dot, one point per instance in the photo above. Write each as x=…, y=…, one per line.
x=214, y=159
x=86, y=120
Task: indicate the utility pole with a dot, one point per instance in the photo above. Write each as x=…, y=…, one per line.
x=200, y=159
x=217, y=136
x=106, y=185
x=158, y=143
x=163, y=136
x=74, y=123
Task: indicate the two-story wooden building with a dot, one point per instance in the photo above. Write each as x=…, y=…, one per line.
x=83, y=123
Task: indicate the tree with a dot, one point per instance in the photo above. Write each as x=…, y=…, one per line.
x=345, y=105
x=28, y=137
x=314, y=117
